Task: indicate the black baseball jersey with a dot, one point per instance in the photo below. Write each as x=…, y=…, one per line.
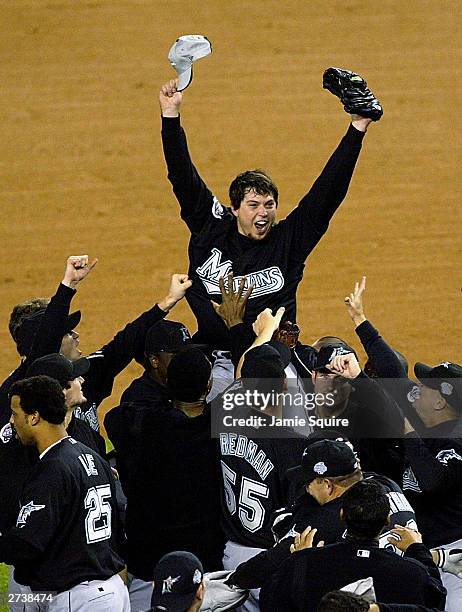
x=432, y=481
x=254, y=484
x=67, y=529
x=305, y=577
x=171, y=477
x=47, y=340
x=274, y=265
x=326, y=519
x=111, y=359
x=17, y=462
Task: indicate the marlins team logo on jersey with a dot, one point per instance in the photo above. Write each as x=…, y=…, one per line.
x=26, y=511
x=445, y=455
x=264, y=281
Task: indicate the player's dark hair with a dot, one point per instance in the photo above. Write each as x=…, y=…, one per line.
x=41, y=394
x=334, y=341
x=256, y=180
x=365, y=510
x=339, y=601
x=188, y=375
x=23, y=311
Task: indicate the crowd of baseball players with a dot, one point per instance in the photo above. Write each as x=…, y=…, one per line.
x=259, y=510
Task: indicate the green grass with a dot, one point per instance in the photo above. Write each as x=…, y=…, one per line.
x=3, y=584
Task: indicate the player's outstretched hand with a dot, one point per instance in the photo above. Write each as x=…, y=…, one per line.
x=354, y=303
x=345, y=365
x=267, y=323
x=403, y=537
x=233, y=303
x=179, y=284
x=305, y=540
x=170, y=99
x=77, y=268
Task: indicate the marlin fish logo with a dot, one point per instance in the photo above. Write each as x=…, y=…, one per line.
x=168, y=583
x=26, y=511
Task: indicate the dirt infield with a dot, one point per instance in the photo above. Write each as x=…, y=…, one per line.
x=82, y=170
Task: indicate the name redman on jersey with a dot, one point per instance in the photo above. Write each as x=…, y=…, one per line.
x=241, y=446
x=269, y=280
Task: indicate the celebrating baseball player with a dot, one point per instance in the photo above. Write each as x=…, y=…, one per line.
x=66, y=539
x=246, y=238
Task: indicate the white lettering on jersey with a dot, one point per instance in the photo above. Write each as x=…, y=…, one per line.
x=88, y=462
x=445, y=455
x=269, y=280
x=26, y=511
x=398, y=502
x=168, y=583
x=241, y=446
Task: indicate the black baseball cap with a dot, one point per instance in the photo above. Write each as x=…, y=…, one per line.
x=188, y=374
x=442, y=377
x=324, y=459
x=58, y=367
x=268, y=360
x=328, y=352
x=166, y=336
x=26, y=332
x=176, y=579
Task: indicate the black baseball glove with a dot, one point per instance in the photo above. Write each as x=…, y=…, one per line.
x=354, y=94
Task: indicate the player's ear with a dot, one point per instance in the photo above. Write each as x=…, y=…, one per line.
x=200, y=592
x=154, y=361
x=235, y=211
x=34, y=418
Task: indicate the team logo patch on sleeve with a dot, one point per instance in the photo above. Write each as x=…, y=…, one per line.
x=218, y=210
x=445, y=455
x=6, y=433
x=26, y=511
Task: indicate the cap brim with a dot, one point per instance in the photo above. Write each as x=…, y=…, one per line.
x=423, y=373
x=173, y=602
x=184, y=79
x=80, y=367
x=73, y=320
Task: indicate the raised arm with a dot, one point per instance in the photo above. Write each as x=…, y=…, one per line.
x=310, y=220
x=383, y=358
x=197, y=202
x=128, y=343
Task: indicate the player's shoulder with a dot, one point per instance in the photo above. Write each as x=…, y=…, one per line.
x=385, y=481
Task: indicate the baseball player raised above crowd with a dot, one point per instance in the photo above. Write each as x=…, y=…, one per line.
x=246, y=238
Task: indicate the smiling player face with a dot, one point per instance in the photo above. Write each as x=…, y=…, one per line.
x=256, y=215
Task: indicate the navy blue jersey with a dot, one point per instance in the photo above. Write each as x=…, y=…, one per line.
x=67, y=528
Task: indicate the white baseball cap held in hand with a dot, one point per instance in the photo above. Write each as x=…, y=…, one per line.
x=186, y=50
